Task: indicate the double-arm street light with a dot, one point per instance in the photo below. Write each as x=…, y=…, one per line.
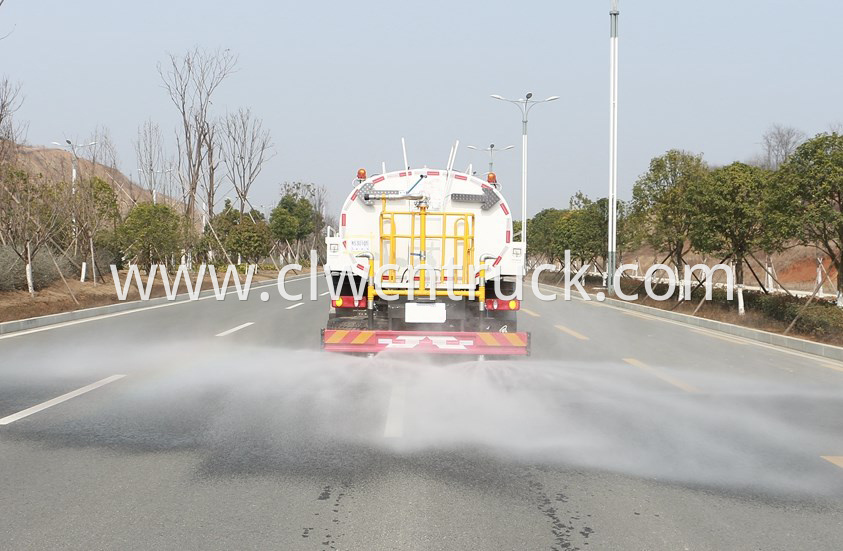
x=491, y=149
x=72, y=147
x=524, y=105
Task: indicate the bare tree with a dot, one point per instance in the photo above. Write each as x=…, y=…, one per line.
x=149, y=150
x=31, y=213
x=103, y=152
x=779, y=143
x=190, y=81
x=246, y=146
x=8, y=33
x=211, y=182
x=10, y=131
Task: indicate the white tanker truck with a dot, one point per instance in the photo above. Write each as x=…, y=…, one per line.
x=425, y=261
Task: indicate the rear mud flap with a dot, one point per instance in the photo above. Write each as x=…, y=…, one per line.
x=426, y=342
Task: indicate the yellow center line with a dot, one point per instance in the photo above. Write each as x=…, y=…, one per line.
x=530, y=313
x=571, y=332
x=830, y=366
x=639, y=315
x=716, y=336
x=835, y=459
x=663, y=376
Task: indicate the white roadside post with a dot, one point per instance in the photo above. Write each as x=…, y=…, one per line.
x=613, y=145
x=524, y=105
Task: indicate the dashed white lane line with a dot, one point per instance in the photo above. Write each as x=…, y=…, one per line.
x=63, y=398
x=530, y=313
x=325, y=293
x=571, y=332
x=233, y=329
x=294, y=306
x=394, y=427
x=132, y=311
x=822, y=362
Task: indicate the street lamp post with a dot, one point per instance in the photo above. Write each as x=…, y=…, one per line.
x=524, y=105
x=491, y=149
x=74, y=159
x=611, y=261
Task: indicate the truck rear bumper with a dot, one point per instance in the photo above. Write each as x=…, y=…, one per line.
x=427, y=342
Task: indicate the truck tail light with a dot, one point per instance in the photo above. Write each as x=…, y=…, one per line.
x=498, y=304
x=349, y=302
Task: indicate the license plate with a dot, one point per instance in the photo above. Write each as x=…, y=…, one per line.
x=424, y=312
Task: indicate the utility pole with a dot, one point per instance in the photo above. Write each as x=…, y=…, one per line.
x=613, y=147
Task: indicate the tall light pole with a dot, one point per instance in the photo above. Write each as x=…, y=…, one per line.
x=491, y=149
x=524, y=105
x=613, y=148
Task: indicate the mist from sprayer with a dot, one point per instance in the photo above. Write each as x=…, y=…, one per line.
x=263, y=410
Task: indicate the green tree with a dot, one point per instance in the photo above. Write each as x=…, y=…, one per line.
x=283, y=225
x=302, y=210
x=245, y=235
x=731, y=215
x=810, y=183
x=151, y=234
x=661, y=201
x=250, y=240
x=540, y=234
x=294, y=219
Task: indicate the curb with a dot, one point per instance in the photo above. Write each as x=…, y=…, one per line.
x=63, y=317
x=793, y=343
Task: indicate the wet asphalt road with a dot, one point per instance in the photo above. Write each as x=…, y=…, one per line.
x=620, y=432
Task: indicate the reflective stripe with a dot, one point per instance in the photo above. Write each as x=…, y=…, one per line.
x=336, y=337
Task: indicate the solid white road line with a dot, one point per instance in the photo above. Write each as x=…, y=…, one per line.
x=63, y=398
x=233, y=329
x=394, y=427
x=293, y=306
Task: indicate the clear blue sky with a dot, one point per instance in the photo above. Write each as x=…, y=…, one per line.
x=340, y=83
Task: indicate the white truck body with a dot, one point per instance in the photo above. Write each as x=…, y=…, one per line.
x=444, y=191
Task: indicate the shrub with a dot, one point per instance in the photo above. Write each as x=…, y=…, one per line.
x=13, y=270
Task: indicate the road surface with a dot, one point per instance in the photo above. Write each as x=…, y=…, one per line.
x=220, y=425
